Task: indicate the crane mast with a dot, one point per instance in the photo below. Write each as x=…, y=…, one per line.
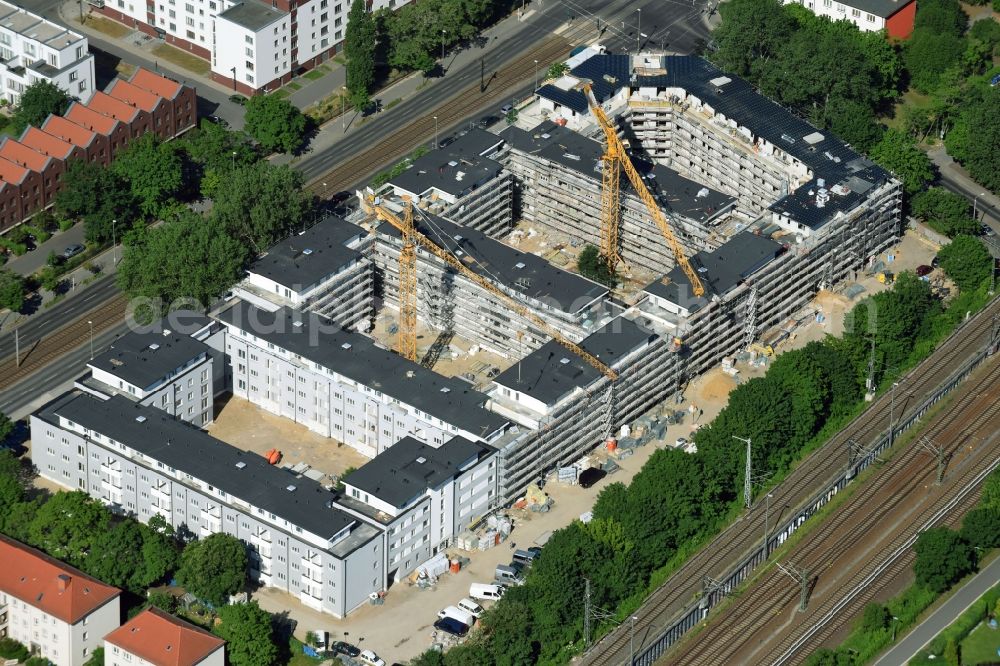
x=410, y=231
x=615, y=156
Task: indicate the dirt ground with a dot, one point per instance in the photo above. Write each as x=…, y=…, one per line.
x=252, y=429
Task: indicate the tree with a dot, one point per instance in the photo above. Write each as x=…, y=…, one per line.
x=262, y=204
x=943, y=557
x=100, y=196
x=941, y=16
x=68, y=526
x=990, y=495
x=428, y=658
x=875, y=617
x=359, y=48
x=131, y=556
x=592, y=265
x=217, y=151
x=38, y=101
x=853, y=122
x=469, y=654
x=751, y=34
x=275, y=123
x=966, y=261
x=951, y=653
x=556, y=70
x=981, y=527
x=162, y=600
x=898, y=153
x=96, y=658
x=510, y=635
x=946, y=212
x=981, y=124
x=12, y=292
x=12, y=481
x=153, y=169
x=214, y=568
x=247, y=628
x=11, y=649
x=827, y=657
x=928, y=54
x=187, y=257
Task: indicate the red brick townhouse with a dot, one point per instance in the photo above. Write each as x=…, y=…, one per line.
x=31, y=167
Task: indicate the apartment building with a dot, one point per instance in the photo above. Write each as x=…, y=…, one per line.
x=342, y=385
x=173, y=371
x=31, y=166
x=326, y=269
x=453, y=303
x=252, y=45
x=138, y=459
x=894, y=16
x=463, y=182
x=160, y=639
x=34, y=49
x=558, y=174
x=423, y=496
x=58, y=612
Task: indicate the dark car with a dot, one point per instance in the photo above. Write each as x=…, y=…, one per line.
x=72, y=250
x=486, y=121
x=238, y=99
x=590, y=476
x=452, y=626
x=935, y=262
x=987, y=230
x=218, y=121
x=923, y=269
x=340, y=647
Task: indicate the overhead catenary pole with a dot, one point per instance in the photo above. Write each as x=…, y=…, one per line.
x=747, y=480
x=767, y=509
x=17, y=348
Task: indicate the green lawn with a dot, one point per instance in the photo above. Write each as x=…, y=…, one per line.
x=188, y=61
x=314, y=74
x=298, y=658
x=980, y=647
x=108, y=27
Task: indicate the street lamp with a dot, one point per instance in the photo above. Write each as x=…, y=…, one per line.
x=894, y=621
x=114, y=242
x=234, y=160
x=343, y=109
x=631, y=640
x=892, y=404
x=638, y=28
x=435, y=132
x=234, y=78
x=975, y=206
x=91, y=339
x=443, y=33
x=536, y=75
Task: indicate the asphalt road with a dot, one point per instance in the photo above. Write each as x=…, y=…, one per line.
x=947, y=613
x=984, y=211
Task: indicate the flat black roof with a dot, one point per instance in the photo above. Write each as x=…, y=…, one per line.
x=305, y=259
x=552, y=371
x=719, y=271
x=252, y=15
x=522, y=272
x=409, y=467
x=828, y=157
x=455, y=169
x=177, y=444
x=145, y=358
x=674, y=192
x=355, y=356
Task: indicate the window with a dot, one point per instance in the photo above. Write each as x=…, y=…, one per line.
x=82, y=86
x=249, y=52
x=248, y=38
x=856, y=13
x=870, y=18
x=249, y=78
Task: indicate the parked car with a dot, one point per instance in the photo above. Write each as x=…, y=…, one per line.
x=218, y=121
x=988, y=230
x=923, y=269
x=487, y=121
x=995, y=81
x=451, y=626
x=470, y=607
x=340, y=647
x=456, y=613
x=485, y=591
x=935, y=262
x=370, y=658
x=322, y=639
x=506, y=108
x=524, y=557
x=238, y=99
x=680, y=443
x=590, y=476
x=72, y=250
x=508, y=575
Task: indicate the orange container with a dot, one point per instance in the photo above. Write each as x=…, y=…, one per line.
x=611, y=444
x=456, y=566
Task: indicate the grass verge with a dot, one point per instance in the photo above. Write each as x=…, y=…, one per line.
x=188, y=61
x=107, y=26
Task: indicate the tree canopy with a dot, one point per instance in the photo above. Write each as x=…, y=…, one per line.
x=214, y=568
x=153, y=169
x=68, y=526
x=98, y=195
x=275, y=123
x=261, y=204
x=38, y=101
x=976, y=135
x=359, y=48
x=592, y=265
x=946, y=212
x=12, y=291
x=966, y=261
x=250, y=636
x=943, y=557
x=899, y=153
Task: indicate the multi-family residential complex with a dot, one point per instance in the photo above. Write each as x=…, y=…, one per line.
x=58, y=612
x=32, y=165
x=894, y=16
x=341, y=384
x=35, y=49
x=252, y=45
x=326, y=269
x=160, y=639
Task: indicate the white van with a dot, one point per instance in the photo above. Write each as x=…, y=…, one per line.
x=470, y=606
x=484, y=591
x=455, y=613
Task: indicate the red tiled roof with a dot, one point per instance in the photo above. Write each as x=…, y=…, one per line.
x=92, y=120
x=14, y=174
x=163, y=640
x=69, y=131
x=156, y=84
x=109, y=106
x=46, y=144
x=134, y=96
x=17, y=152
x=48, y=584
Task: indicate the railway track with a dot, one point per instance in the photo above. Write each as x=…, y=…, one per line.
x=731, y=637
x=61, y=341
x=676, y=596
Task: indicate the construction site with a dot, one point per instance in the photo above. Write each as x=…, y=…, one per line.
x=721, y=213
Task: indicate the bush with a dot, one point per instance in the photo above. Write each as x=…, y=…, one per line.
x=15, y=247
x=38, y=661
x=66, y=225
x=592, y=265
x=12, y=291
x=11, y=649
x=943, y=557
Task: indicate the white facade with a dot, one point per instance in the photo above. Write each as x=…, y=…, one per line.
x=33, y=49
x=839, y=11
x=55, y=639
x=321, y=26
x=118, y=656
x=253, y=43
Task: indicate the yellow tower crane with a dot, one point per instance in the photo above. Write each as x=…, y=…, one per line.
x=408, y=229
x=615, y=157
